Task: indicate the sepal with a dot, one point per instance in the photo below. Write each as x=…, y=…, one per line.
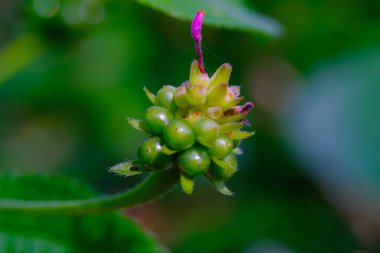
x=150, y=95
x=219, y=185
x=221, y=75
x=168, y=151
x=230, y=118
x=216, y=94
x=138, y=124
x=224, y=168
x=187, y=184
x=237, y=151
x=240, y=135
x=229, y=127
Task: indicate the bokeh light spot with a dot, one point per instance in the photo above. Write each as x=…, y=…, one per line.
x=46, y=8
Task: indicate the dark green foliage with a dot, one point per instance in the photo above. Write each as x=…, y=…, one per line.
x=106, y=232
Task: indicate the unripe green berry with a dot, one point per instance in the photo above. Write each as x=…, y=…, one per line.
x=150, y=153
x=225, y=172
x=222, y=147
x=179, y=135
x=157, y=118
x=206, y=130
x=164, y=97
x=194, y=161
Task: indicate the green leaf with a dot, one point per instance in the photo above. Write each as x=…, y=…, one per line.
x=239, y=135
x=105, y=232
x=219, y=13
x=18, y=54
x=150, y=95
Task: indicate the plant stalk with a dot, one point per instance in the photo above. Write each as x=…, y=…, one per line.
x=156, y=184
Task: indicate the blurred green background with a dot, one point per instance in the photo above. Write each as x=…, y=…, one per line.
x=309, y=180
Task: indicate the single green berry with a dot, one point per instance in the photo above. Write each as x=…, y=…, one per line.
x=222, y=147
x=226, y=168
x=206, y=130
x=194, y=161
x=179, y=135
x=157, y=118
x=164, y=97
x=150, y=153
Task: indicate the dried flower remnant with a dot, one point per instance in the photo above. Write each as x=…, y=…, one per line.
x=196, y=28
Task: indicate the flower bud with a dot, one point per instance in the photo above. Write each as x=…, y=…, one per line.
x=196, y=95
x=180, y=97
x=231, y=98
x=214, y=112
x=196, y=77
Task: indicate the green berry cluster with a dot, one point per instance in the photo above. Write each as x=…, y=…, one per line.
x=195, y=128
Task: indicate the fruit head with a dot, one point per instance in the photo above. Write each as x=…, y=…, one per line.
x=197, y=126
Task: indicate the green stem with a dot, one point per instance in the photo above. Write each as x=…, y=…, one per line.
x=156, y=184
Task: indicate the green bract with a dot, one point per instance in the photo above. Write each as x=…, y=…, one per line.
x=196, y=126
x=225, y=168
